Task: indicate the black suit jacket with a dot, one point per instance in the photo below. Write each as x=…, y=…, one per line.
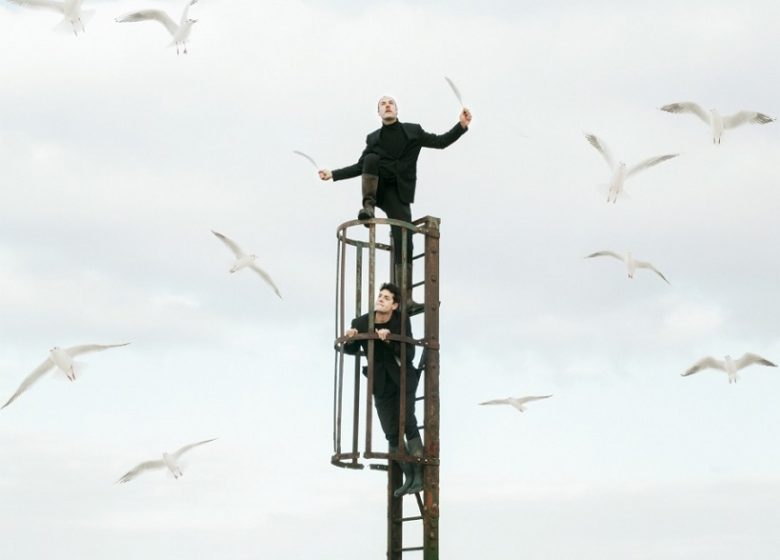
x=406, y=164
x=386, y=366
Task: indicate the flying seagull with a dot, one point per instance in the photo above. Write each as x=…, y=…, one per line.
x=180, y=32
x=715, y=120
x=243, y=260
x=730, y=366
x=62, y=358
x=631, y=263
x=516, y=402
x=619, y=171
x=170, y=460
x=70, y=10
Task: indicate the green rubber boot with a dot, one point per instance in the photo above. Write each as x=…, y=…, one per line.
x=408, y=471
x=415, y=447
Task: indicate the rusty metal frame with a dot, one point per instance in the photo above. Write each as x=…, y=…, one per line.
x=428, y=227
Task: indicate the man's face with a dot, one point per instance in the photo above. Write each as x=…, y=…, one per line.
x=385, y=302
x=387, y=109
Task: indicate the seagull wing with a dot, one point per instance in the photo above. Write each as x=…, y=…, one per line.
x=649, y=162
x=645, y=264
x=265, y=276
x=704, y=363
x=743, y=117
x=151, y=15
x=605, y=254
x=602, y=148
x=139, y=468
x=30, y=379
x=688, y=107
x=497, y=401
x=749, y=359
x=86, y=348
x=237, y=251
x=523, y=400
x=185, y=13
x=179, y=452
x=47, y=4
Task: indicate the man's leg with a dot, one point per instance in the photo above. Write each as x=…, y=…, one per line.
x=370, y=184
x=395, y=208
x=387, y=408
x=414, y=481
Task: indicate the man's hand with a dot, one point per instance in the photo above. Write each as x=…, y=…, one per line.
x=465, y=120
x=326, y=175
x=382, y=334
x=351, y=332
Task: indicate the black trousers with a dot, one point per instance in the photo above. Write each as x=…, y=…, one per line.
x=388, y=407
x=389, y=201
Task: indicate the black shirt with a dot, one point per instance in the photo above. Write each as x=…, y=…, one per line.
x=392, y=140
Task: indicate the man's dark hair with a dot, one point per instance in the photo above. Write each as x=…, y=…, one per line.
x=393, y=289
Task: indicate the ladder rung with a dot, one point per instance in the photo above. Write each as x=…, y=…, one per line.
x=415, y=518
x=421, y=255
x=420, y=283
x=419, y=398
x=409, y=549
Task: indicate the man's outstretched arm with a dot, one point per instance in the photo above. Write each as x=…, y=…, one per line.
x=345, y=172
x=440, y=141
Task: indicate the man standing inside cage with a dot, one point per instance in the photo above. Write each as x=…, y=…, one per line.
x=387, y=380
x=388, y=168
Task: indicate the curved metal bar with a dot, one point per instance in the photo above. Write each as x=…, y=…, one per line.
x=381, y=221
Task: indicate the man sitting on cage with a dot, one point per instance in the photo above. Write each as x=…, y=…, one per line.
x=387, y=380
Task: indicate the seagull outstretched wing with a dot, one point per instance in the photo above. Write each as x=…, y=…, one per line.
x=688, y=107
x=151, y=15
x=645, y=264
x=733, y=121
x=749, y=359
x=139, y=468
x=37, y=373
x=267, y=277
x=602, y=148
x=649, y=162
x=232, y=245
x=705, y=363
x=605, y=254
x=182, y=450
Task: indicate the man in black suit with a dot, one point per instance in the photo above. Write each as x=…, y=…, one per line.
x=387, y=379
x=388, y=167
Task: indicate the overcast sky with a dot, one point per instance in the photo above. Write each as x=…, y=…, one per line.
x=117, y=158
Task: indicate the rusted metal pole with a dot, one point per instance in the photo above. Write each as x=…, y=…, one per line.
x=431, y=470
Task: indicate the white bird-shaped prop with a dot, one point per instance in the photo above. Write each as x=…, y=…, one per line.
x=170, y=460
x=717, y=122
x=180, y=32
x=729, y=365
x=631, y=263
x=245, y=260
x=62, y=358
x=71, y=10
x=516, y=402
x=619, y=170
